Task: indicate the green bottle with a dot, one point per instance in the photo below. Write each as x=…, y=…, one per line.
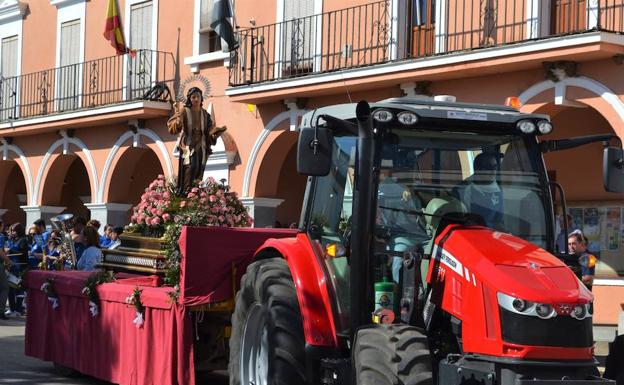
x=384, y=294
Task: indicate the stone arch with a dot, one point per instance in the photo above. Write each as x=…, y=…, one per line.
x=23, y=163
x=84, y=154
x=277, y=177
x=608, y=104
x=251, y=169
x=116, y=153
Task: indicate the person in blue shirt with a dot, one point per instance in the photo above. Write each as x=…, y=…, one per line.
x=42, y=231
x=105, y=240
x=18, y=252
x=92, y=255
x=4, y=283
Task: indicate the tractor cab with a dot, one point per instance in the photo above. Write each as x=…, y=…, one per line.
x=433, y=164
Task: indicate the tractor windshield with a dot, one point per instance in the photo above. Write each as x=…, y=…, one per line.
x=425, y=178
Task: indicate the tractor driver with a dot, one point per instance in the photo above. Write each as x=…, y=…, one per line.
x=481, y=193
x=396, y=214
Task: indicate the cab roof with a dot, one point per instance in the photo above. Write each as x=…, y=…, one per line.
x=430, y=111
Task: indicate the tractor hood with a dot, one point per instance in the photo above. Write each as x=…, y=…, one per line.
x=510, y=265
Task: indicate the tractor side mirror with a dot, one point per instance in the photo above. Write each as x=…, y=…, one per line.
x=314, y=151
x=613, y=169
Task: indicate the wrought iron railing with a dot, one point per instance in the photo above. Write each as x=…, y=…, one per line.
x=369, y=34
x=105, y=81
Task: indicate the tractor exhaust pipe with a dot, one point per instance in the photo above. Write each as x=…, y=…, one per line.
x=362, y=221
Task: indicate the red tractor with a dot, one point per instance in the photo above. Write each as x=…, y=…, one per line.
x=427, y=256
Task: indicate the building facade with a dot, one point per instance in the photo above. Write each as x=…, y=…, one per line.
x=81, y=132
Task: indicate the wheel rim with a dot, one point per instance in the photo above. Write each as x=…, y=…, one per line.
x=254, y=358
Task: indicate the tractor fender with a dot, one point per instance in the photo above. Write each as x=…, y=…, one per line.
x=311, y=286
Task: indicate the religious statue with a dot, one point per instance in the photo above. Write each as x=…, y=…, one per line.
x=196, y=134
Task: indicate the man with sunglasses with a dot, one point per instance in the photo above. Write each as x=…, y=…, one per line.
x=577, y=245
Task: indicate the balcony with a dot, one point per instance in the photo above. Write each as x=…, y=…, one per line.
x=87, y=88
x=379, y=33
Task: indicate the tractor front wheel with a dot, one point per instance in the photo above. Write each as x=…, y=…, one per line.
x=392, y=354
x=267, y=343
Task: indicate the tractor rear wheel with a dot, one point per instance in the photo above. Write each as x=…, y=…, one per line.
x=267, y=343
x=392, y=354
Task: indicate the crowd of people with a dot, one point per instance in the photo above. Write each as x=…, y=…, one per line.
x=41, y=248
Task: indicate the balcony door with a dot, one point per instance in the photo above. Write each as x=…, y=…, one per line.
x=8, y=78
x=299, y=31
x=141, y=66
x=68, y=75
x=568, y=16
x=422, y=21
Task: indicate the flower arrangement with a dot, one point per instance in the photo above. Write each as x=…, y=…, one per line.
x=134, y=299
x=48, y=288
x=206, y=204
x=162, y=212
x=90, y=290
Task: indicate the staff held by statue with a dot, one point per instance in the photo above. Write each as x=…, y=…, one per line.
x=196, y=135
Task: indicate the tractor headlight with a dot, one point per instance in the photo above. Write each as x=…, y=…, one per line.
x=582, y=311
x=407, y=118
x=520, y=304
x=545, y=311
x=524, y=307
x=544, y=127
x=526, y=126
x=383, y=115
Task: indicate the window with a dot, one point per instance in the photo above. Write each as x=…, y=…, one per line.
x=140, y=67
x=209, y=41
x=8, y=78
x=68, y=77
x=299, y=31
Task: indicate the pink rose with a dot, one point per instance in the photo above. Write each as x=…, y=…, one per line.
x=191, y=195
x=166, y=217
x=155, y=221
x=221, y=218
x=182, y=204
x=159, y=213
x=166, y=195
x=203, y=194
x=161, y=176
x=212, y=198
x=194, y=190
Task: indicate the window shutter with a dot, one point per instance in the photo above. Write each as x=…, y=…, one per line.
x=205, y=15
x=70, y=42
x=299, y=32
x=8, y=67
x=141, y=26
x=8, y=81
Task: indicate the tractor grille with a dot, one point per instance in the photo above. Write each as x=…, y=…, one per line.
x=560, y=331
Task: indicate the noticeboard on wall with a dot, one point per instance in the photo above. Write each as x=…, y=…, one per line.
x=603, y=226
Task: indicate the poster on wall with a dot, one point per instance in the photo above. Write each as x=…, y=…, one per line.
x=613, y=228
x=577, y=218
x=592, y=221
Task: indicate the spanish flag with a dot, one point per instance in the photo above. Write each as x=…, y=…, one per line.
x=112, y=30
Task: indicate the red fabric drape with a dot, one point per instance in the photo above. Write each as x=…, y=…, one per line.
x=109, y=346
x=209, y=253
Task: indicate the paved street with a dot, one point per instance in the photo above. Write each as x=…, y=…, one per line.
x=16, y=368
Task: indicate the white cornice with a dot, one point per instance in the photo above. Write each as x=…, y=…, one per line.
x=11, y=10
x=63, y=3
x=88, y=112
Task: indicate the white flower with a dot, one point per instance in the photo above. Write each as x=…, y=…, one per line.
x=45, y=286
x=93, y=308
x=129, y=300
x=54, y=301
x=85, y=290
x=138, y=321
